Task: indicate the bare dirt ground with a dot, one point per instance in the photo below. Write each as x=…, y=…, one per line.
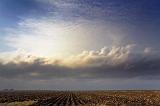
x=80, y=98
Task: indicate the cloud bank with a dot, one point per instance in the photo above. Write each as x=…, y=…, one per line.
x=107, y=63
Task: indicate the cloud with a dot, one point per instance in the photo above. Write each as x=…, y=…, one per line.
x=107, y=63
x=39, y=42
x=49, y=49
x=48, y=37
x=73, y=9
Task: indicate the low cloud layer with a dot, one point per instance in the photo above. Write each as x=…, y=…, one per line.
x=107, y=63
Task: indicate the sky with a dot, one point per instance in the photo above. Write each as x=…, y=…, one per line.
x=79, y=44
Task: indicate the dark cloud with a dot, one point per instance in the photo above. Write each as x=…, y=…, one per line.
x=140, y=65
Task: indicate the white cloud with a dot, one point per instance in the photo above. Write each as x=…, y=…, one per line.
x=106, y=56
x=47, y=37
x=110, y=56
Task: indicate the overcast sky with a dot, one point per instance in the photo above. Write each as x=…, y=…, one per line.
x=80, y=44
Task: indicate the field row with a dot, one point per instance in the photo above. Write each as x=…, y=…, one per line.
x=85, y=98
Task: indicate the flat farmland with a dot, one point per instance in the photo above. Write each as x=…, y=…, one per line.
x=80, y=98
